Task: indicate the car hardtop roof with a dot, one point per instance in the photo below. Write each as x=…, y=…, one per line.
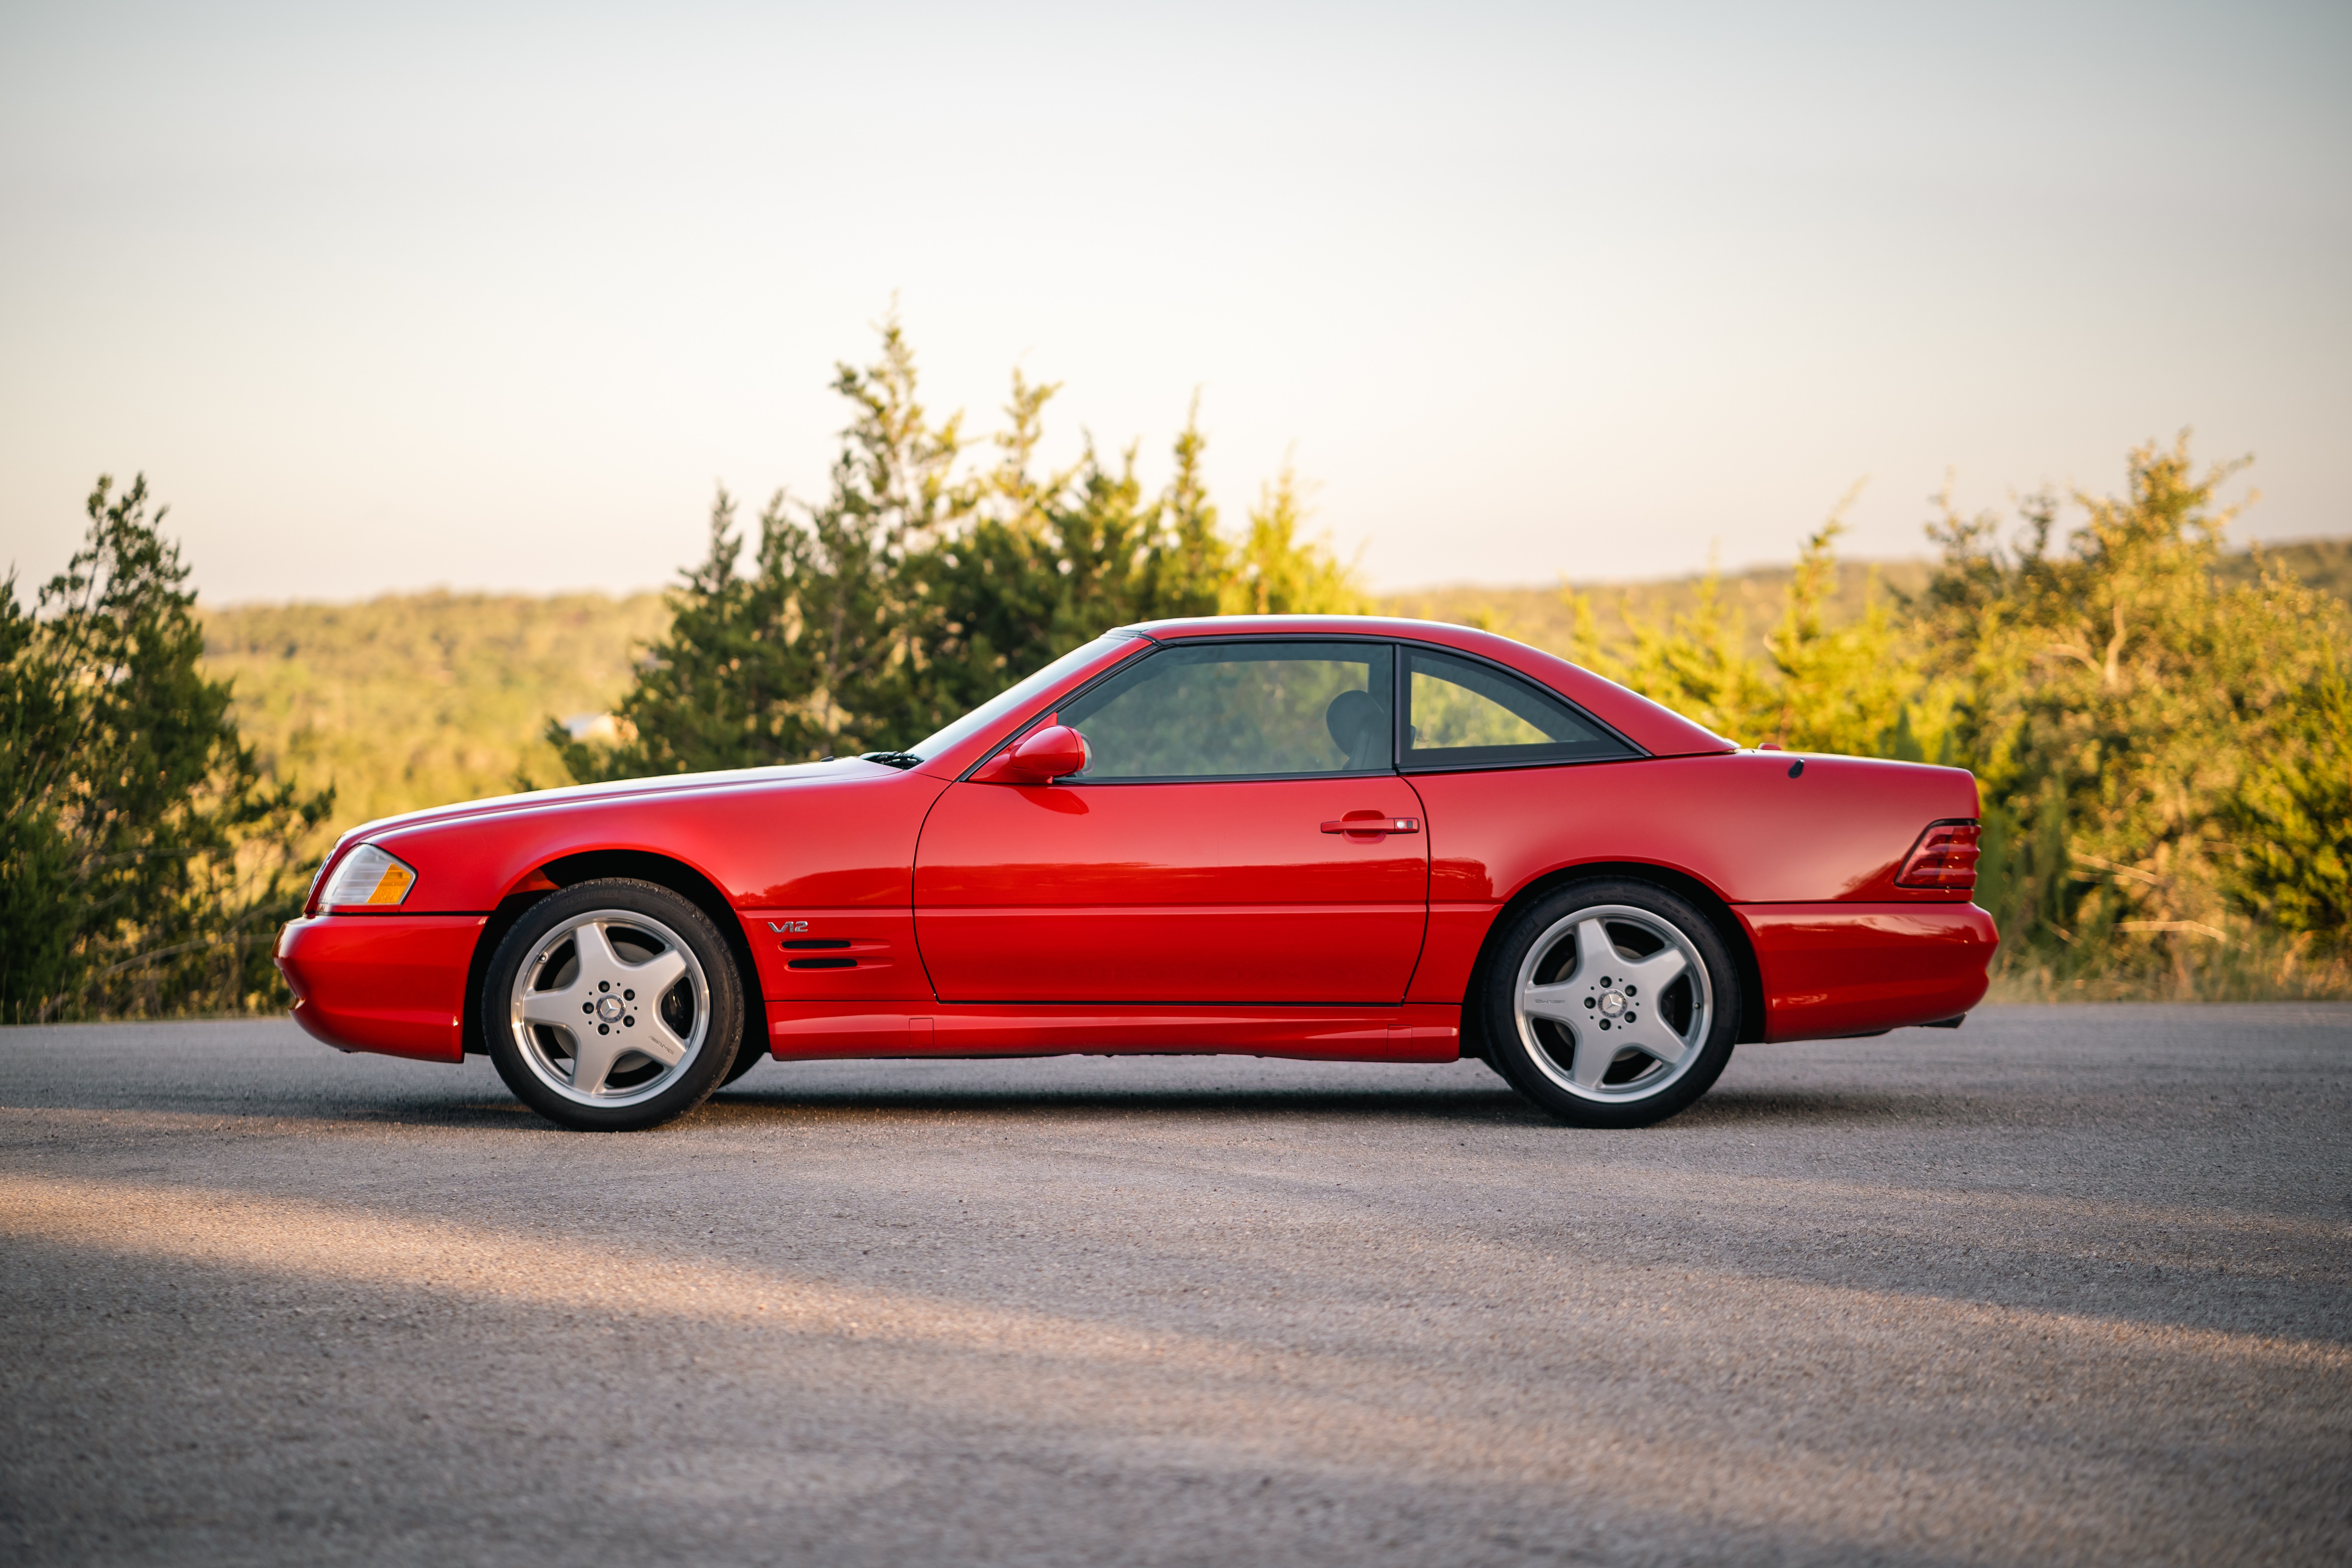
x=1658, y=730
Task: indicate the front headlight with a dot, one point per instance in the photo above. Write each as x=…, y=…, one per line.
x=369, y=875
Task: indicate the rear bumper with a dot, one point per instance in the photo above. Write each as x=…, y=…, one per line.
x=392, y=984
x=1857, y=969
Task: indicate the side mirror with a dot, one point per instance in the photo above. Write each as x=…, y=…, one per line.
x=1052, y=753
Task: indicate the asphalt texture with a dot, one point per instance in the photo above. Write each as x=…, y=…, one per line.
x=2069, y=1285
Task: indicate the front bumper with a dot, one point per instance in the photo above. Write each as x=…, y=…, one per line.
x=392, y=984
x=1832, y=970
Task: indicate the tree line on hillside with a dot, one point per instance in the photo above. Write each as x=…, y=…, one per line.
x=2164, y=742
x=2164, y=747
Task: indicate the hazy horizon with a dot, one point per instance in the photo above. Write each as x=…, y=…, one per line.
x=492, y=296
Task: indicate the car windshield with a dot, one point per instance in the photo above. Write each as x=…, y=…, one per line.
x=1015, y=698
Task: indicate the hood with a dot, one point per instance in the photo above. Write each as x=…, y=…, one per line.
x=618, y=789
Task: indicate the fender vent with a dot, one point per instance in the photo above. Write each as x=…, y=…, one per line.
x=823, y=963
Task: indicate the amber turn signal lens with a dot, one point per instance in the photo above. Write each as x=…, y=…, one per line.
x=1945, y=859
x=370, y=877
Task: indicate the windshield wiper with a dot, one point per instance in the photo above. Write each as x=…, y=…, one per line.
x=900, y=760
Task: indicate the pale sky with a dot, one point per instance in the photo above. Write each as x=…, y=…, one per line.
x=490, y=296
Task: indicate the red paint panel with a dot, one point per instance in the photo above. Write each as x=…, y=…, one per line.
x=1737, y=822
x=1221, y=952
x=827, y=836
x=1456, y=932
x=1226, y=892
x=804, y=1031
x=392, y=984
x=1848, y=969
x=1436, y=1037
x=884, y=965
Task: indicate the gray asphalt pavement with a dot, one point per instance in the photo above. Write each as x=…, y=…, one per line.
x=2066, y=1285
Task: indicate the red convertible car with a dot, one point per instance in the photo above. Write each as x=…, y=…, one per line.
x=1339, y=838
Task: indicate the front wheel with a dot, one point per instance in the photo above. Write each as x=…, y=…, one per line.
x=613, y=1005
x=1612, y=1004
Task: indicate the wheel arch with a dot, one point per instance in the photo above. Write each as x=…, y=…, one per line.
x=586, y=866
x=1680, y=883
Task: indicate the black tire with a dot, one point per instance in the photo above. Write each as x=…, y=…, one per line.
x=589, y=942
x=753, y=1052
x=1478, y=1052
x=1571, y=1023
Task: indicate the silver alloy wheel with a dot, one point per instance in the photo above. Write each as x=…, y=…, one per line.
x=610, y=1008
x=1613, y=1003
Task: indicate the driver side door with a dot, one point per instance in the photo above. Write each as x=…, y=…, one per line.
x=1239, y=836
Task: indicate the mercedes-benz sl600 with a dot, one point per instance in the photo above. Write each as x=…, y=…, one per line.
x=1334, y=839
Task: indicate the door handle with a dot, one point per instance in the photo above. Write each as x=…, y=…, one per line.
x=1374, y=824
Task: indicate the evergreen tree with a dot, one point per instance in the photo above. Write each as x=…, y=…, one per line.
x=860, y=590
x=919, y=589
x=1694, y=664
x=731, y=685
x=2151, y=739
x=145, y=862
x=1185, y=571
x=994, y=591
x=1280, y=575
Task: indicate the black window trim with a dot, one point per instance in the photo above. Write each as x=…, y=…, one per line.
x=1358, y=639
x=1399, y=676
x=1633, y=754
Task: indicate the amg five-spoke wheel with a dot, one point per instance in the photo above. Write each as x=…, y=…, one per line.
x=1612, y=1004
x=613, y=1004
x=577, y=1005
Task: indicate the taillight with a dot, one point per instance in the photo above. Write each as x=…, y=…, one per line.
x=1945, y=859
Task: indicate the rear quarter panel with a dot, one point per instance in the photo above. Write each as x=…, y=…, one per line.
x=1835, y=833
x=1738, y=823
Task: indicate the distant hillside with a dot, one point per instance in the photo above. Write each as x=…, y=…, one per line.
x=418, y=699
x=2324, y=564
x=1541, y=616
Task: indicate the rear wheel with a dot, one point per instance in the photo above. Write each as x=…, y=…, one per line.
x=1612, y=1004
x=613, y=1005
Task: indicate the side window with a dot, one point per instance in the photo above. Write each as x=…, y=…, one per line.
x=1241, y=710
x=1461, y=713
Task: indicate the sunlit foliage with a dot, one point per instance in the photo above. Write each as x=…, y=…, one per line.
x=2162, y=738
x=145, y=860
x=2161, y=729
x=923, y=584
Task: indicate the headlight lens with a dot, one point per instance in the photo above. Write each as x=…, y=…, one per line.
x=369, y=875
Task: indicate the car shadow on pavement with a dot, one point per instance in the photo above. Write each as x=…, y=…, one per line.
x=1483, y=1100
x=748, y=1104
x=1481, y=1105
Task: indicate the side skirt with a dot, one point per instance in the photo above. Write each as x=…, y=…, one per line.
x=800, y=1031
